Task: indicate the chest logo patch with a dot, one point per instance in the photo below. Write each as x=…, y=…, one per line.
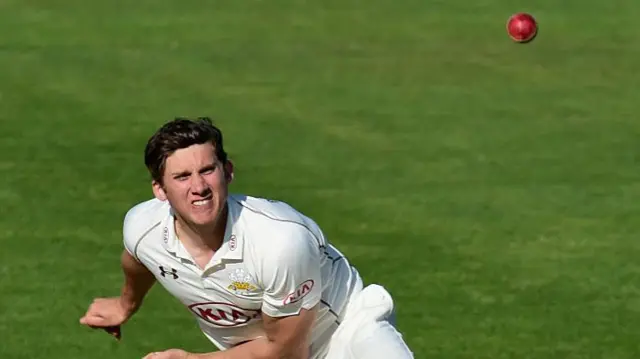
x=223, y=314
x=241, y=282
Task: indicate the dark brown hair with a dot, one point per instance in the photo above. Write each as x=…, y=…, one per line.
x=177, y=134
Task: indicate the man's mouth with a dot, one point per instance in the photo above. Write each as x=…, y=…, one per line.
x=202, y=202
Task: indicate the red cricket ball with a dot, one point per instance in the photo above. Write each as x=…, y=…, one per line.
x=522, y=27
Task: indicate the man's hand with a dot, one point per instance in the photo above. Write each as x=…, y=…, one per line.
x=107, y=314
x=168, y=354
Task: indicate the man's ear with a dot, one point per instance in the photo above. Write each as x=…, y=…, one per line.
x=228, y=171
x=158, y=191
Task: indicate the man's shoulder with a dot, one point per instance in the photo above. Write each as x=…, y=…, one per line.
x=266, y=210
x=143, y=217
x=274, y=220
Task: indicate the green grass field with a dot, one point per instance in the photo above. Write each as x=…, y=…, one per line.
x=491, y=187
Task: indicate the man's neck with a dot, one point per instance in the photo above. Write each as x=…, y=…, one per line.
x=202, y=239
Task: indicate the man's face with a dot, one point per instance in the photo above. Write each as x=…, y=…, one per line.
x=195, y=183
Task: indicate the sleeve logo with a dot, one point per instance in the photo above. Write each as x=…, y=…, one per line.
x=300, y=292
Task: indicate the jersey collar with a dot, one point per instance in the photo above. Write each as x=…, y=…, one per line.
x=232, y=244
x=170, y=241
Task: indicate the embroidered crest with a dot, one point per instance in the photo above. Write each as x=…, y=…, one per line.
x=241, y=282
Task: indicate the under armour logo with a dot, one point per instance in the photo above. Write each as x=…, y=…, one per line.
x=173, y=272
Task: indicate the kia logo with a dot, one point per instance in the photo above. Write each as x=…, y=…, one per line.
x=223, y=314
x=302, y=290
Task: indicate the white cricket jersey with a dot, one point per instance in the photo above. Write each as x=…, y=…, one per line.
x=273, y=260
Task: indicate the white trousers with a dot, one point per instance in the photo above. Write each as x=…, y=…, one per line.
x=366, y=331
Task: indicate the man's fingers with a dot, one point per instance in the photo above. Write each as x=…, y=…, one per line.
x=96, y=322
x=92, y=321
x=86, y=321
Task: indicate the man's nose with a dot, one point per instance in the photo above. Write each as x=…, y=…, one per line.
x=199, y=185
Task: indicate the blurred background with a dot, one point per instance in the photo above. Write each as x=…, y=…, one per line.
x=492, y=187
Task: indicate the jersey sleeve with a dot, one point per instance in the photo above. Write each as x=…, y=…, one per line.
x=291, y=274
x=129, y=233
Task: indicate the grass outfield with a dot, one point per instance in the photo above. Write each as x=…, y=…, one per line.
x=492, y=187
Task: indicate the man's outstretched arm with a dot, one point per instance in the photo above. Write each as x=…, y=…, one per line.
x=110, y=313
x=138, y=280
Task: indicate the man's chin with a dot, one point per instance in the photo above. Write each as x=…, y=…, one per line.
x=203, y=221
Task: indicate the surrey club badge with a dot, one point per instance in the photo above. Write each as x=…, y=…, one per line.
x=241, y=282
